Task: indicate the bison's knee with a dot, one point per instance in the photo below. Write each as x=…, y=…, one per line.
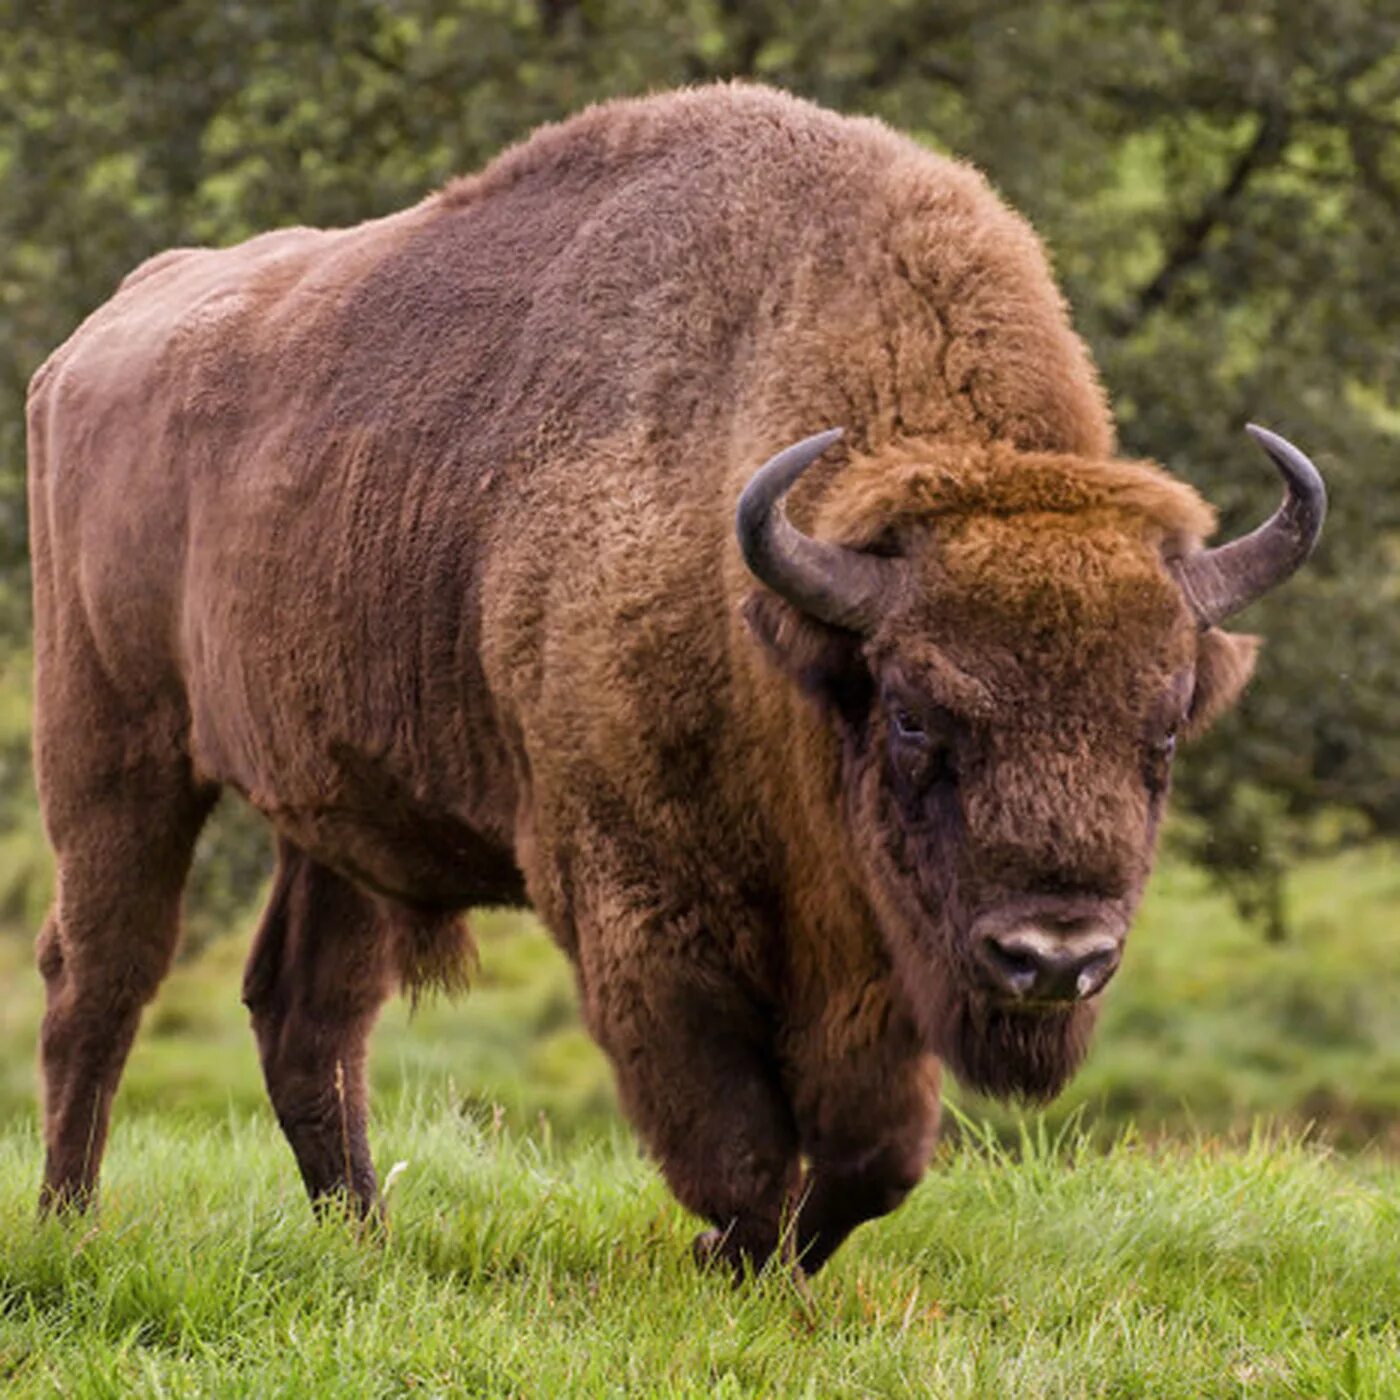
x=876, y=1187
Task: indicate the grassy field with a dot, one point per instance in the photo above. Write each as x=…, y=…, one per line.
x=511, y=1269
x=1146, y=1237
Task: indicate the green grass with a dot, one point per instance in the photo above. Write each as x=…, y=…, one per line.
x=532, y=1252
x=513, y=1269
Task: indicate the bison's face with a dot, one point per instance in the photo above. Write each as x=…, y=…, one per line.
x=1006, y=775
x=1007, y=715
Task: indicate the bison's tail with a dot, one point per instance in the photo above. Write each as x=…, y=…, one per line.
x=436, y=953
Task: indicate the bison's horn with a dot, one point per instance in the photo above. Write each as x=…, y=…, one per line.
x=838, y=585
x=1220, y=582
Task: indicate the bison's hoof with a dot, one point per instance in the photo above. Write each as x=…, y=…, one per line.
x=709, y=1251
x=716, y=1250
x=741, y=1255
x=720, y=1252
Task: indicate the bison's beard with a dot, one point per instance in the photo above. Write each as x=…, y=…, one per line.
x=1012, y=1052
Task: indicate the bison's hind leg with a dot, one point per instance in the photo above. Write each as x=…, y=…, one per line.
x=325, y=959
x=123, y=842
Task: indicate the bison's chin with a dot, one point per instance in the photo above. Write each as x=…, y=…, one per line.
x=1010, y=1052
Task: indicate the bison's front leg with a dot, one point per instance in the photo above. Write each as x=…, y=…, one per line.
x=866, y=1099
x=698, y=1080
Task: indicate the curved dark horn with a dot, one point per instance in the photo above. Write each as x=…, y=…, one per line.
x=1220, y=582
x=838, y=585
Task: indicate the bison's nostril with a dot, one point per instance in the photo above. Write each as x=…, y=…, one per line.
x=1035, y=964
x=1015, y=970
x=1094, y=973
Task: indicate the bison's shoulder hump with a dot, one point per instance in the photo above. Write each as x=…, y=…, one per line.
x=738, y=122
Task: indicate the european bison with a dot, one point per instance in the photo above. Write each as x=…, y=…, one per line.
x=422, y=536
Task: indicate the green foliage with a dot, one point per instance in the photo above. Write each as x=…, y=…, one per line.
x=24, y=859
x=1220, y=185
x=514, y=1269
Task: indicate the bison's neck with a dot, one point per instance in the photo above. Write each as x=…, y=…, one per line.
x=831, y=943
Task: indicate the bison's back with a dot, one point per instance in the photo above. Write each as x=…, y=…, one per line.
x=133, y=416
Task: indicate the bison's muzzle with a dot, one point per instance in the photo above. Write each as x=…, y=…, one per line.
x=1048, y=951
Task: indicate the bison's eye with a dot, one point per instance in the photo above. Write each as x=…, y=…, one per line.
x=908, y=726
x=919, y=748
x=1163, y=749
x=1159, y=760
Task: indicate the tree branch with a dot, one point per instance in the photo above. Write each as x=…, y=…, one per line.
x=1365, y=144
x=552, y=14
x=914, y=51
x=750, y=31
x=1189, y=245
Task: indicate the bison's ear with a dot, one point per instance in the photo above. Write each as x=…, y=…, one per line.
x=1224, y=664
x=826, y=662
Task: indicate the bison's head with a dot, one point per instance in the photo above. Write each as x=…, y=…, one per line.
x=1009, y=646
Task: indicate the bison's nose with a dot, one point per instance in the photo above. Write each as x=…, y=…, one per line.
x=1032, y=963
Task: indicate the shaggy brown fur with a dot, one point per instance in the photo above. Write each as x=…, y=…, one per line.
x=420, y=535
